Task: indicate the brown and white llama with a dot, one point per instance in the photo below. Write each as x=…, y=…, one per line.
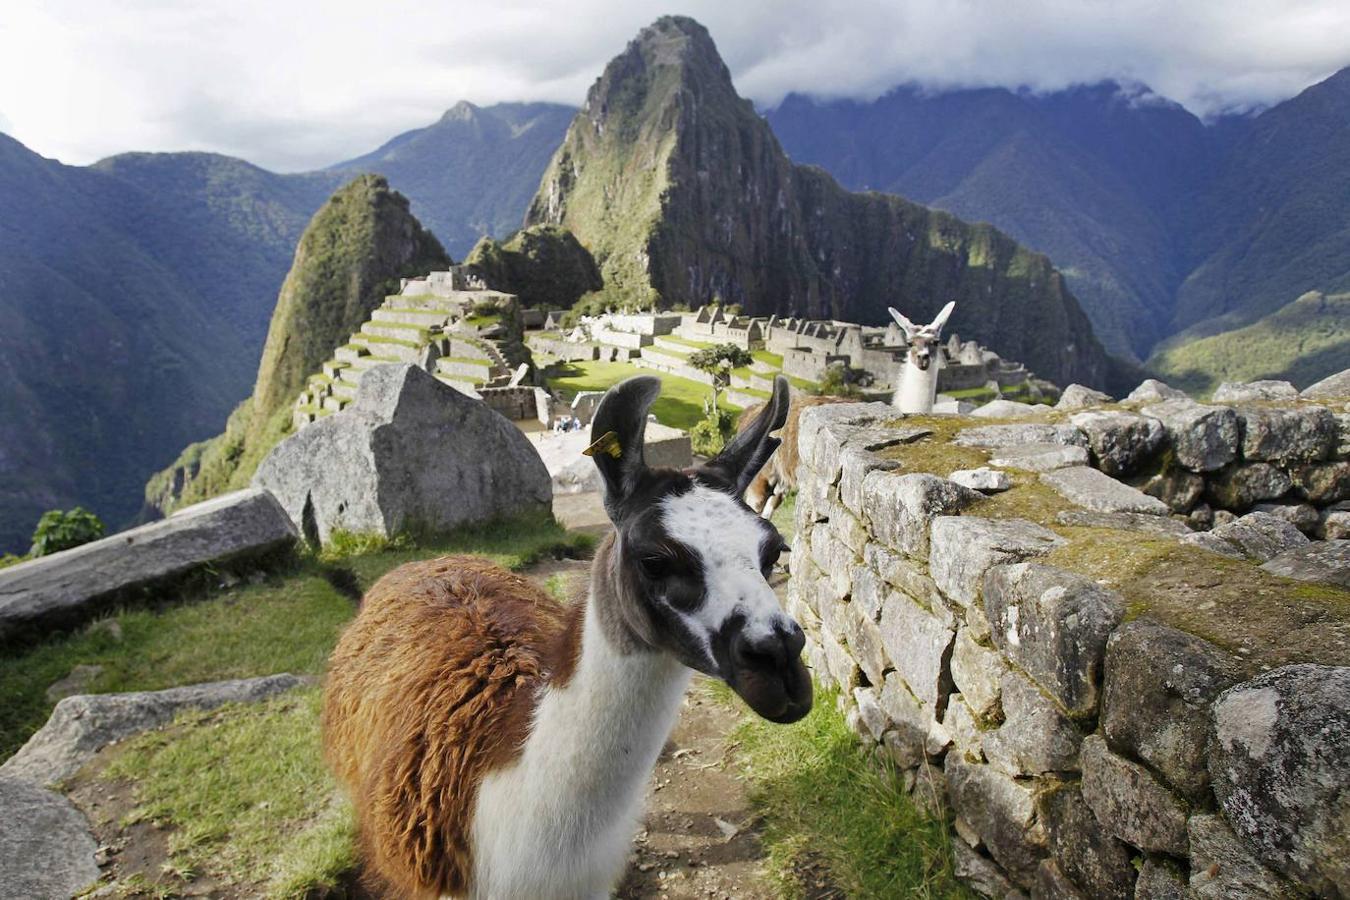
x=779, y=476
x=496, y=743
x=917, y=387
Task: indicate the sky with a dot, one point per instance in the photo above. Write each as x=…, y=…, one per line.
x=299, y=84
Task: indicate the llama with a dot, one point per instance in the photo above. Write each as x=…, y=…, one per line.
x=776, y=479
x=918, y=376
x=495, y=742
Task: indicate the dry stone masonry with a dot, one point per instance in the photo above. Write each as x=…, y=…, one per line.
x=1111, y=695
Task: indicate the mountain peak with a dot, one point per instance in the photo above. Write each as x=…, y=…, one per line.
x=463, y=111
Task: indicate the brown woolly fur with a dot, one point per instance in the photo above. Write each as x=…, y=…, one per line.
x=431, y=687
x=782, y=467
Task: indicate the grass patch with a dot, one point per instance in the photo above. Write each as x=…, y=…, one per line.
x=679, y=406
x=288, y=621
x=470, y=360
x=769, y=359
x=246, y=792
x=784, y=518
x=696, y=345
x=482, y=321
x=381, y=339
x=825, y=802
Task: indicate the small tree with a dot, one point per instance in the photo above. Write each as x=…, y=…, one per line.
x=718, y=361
x=837, y=381
x=58, y=530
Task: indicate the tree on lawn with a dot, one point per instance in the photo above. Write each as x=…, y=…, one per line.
x=718, y=361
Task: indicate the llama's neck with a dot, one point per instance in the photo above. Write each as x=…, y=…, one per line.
x=578, y=785
x=917, y=389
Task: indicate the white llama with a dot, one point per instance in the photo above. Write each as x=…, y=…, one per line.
x=917, y=385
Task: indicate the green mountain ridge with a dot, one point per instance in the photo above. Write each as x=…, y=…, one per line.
x=683, y=195
x=351, y=256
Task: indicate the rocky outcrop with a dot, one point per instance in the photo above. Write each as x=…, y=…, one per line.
x=682, y=193
x=410, y=455
x=74, y=585
x=543, y=265
x=46, y=847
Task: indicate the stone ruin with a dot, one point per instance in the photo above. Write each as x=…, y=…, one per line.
x=1108, y=699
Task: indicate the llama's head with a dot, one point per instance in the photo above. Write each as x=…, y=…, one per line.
x=923, y=340
x=692, y=561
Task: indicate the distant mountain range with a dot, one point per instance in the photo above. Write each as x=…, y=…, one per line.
x=136, y=292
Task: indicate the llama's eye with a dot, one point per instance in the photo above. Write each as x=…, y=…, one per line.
x=656, y=568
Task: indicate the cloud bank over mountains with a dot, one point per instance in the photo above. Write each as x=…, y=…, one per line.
x=303, y=84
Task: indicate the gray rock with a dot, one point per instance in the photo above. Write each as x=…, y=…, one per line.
x=1225, y=868
x=1239, y=486
x=1039, y=457
x=1204, y=438
x=865, y=640
x=903, y=574
x=913, y=723
x=1008, y=409
x=901, y=506
x=1281, y=768
x=1301, y=515
x=1154, y=391
x=66, y=588
x=1343, y=435
x=1159, y=684
x=841, y=668
x=1281, y=435
x=1052, y=884
x=46, y=847
x=977, y=672
x=1160, y=879
x=1223, y=517
x=1085, y=853
x=983, y=875
x=1176, y=487
x=1035, y=737
x=1053, y=625
x=1202, y=517
x=965, y=547
x=952, y=407
x=1257, y=535
x=1245, y=392
x=1002, y=811
x=965, y=732
x=1120, y=441
x=1098, y=491
x=1323, y=483
x=997, y=437
x=1130, y=803
x=834, y=441
x=870, y=715
x=814, y=418
x=854, y=464
x=1334, y=525
x=1076, y=396
x=1333, y=387
x=1326, y=561
x=82, y=725
x=917, y=641
x=410, y=454
x=984, y=479
x=76, y=682
x=1124, y=521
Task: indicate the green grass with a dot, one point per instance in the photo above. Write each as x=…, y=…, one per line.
x=381, y=339
x=695, y=345
x=482, y=321
x=471, y=360
x=247, y=796
x=771, y=359
x=288, y=622
x=680, y=404
x=784, y=518
x=826, y=803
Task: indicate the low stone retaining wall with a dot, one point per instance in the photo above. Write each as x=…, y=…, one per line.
x=565, y=350
x=1104, y=709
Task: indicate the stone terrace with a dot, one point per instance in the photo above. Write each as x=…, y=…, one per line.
x=1110, y=702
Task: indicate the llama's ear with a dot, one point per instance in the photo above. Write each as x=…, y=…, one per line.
x=740, y=461
x=906, y=325
x=942, y=317
x=617, y=432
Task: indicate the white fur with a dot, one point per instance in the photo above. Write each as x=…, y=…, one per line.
x=581, y=777
x=726, y=536
x=917, y=389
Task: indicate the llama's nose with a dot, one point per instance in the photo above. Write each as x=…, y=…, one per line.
x=773, y=651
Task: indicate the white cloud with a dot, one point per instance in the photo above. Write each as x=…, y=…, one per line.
x=300, y=84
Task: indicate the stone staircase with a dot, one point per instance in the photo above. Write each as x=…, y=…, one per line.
x=426, y=329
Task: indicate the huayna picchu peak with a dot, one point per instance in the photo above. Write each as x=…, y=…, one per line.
x=682, y=193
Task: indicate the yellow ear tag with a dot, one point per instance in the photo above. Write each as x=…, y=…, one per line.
x=608, y=443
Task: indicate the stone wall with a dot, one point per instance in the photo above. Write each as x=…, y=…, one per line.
x=1099, y=707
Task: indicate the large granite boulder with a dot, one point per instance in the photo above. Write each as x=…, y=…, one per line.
x=1009, y=409
x=996, y=437
x=1095, y=490
x=410, y=454
x=1239, y=486
x=1280, y=759
x=69, y=587
x=965, y=547
x=1325, y=561
x=1245, y=392
x=901, y=506
x=1323, y=483
x=1179, y=489
x=1076, y=396
x=1285, y=435
x=1333, y=387
x=1035, y=737
x=1120, y=441
x=1151, y=390
x=82, y=725
x=1040, y=457
x=1053, y=625
x=1223, y=867
x=1302, y=516
x=1158, y=687
x=1257, y=535
x=1204, y=438
x=1130, y=802
x=46, y=847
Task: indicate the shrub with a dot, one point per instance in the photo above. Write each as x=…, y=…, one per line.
x=58, y=530
x=710, y=434
x=837, y=382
